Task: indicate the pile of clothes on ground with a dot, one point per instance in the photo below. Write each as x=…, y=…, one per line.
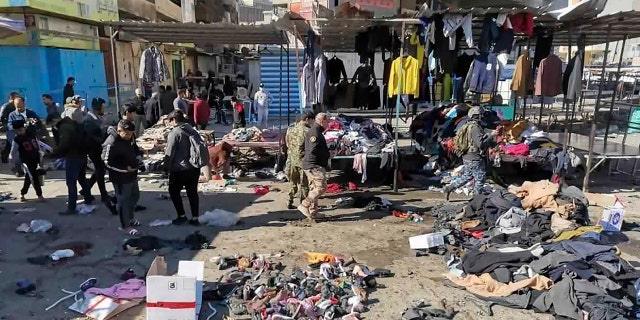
x=533, y=247
x=352, y=135
x=338, y=290
x=253, y=134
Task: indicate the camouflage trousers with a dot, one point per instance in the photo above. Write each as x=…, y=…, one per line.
x=298, y=183
x=318, y=185
x=473, y=170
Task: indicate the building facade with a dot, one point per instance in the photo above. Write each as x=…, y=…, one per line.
x=61, y=40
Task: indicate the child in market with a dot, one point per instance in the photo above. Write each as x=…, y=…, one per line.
x=25, y=148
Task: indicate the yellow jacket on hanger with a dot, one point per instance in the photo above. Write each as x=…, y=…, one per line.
x=410, y=76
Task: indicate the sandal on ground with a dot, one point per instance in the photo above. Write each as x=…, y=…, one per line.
x=135, y=223
x=133, y=232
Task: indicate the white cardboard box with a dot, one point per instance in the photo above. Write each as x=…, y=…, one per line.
x=612, y=219
x=174, y=297
x=426, y=241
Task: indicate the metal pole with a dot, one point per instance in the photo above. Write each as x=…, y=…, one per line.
x=280, y=96
x=400, y=86
x=613, y=97
x=112, y=37
x=592, y=134
x=288, y=86
x=565, y=103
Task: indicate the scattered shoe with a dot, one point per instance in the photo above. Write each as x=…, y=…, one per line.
x=129, y=274
x=140, y=208
x=194, y=222
x=179, y=221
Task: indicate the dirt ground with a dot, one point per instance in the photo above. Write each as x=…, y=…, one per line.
x=266, y=226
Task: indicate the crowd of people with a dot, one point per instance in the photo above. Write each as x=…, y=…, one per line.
x=81, y=134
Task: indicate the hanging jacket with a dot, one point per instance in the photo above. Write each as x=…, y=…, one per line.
x=153, y=66
x=410, y=72
x=483, y=77
x=522, y=76
x=574, y=83
x=549, y=81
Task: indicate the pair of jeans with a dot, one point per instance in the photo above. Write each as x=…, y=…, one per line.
x=128, y=195
x=189, y=181
x=75, y=170
x=98, y=175
x=221, y=116
x=32, y=176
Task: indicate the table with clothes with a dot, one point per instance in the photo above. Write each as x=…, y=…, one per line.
x=251, y=144
x=519, y=142
x=534, y=247
x=359, y=139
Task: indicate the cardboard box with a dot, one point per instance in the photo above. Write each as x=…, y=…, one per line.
x=101, y=307
x=426, y=241
x=174, y=297
x=612, y=219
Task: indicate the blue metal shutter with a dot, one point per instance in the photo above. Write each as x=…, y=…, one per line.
x=270, y=72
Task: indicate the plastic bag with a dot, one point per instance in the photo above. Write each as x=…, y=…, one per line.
x=39, y=225
x=219, y=218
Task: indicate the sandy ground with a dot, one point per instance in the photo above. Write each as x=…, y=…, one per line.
x=265, y=226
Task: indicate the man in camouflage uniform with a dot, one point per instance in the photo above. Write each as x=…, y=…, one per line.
x=295, y=153
x=474, y=154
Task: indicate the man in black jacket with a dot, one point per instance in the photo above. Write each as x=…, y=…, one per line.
x=72, y=147
x=96, y=133
x=122, y=157
x=315, y=165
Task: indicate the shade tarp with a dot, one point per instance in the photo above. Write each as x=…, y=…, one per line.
x=201, y=33
x=11, y=27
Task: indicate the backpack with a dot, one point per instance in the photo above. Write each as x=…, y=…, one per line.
x=462, y=143
x=198, y=151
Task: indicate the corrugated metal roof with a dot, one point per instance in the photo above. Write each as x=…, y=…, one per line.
x=201, y=33
x=595, y=29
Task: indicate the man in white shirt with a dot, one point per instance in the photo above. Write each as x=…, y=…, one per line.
x=261, y=104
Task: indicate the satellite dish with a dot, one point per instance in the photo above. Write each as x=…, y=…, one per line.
x=242, y=93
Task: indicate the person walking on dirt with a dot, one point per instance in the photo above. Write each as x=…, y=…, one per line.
x=472, y=143
x=315, y=165
x=295, y=154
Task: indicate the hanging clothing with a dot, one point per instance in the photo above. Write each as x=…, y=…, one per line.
x=410, y=77
x=505, y=41
x=446, y=57
x=543, y=45
x=454, y=21
x=573, y=78
x=320, y=76
x=364, y=76
x=153, y=66
x=419, y=53
x=490, y=33
x=522, y=23
x=549, y=80
x=522, y=80
x=483, y=75
x=335, y=69
x=308, y=85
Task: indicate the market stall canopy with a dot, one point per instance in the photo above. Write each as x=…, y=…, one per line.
x=582, y=10
x=201, y=33
x=11, y=27
x=620, y=24
x=497, y=3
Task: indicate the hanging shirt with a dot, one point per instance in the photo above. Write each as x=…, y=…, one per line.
x=364, y=75
x=307, y=83
x=320, y=77
x=549, y=80
x=335, y=69
x=410, y=77
x=454, y=21
x=522, y=80
x=573, y=78
x=419, y=54
x=483, y=76
x=261, y=99
x=153, y=66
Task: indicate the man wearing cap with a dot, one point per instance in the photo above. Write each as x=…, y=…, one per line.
x=73, y=147
x=315, y=165
x=261, y=104
x=31, y=122
x=68, y=91
x=295, y=153
x=473, y=153
x=122, y=158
